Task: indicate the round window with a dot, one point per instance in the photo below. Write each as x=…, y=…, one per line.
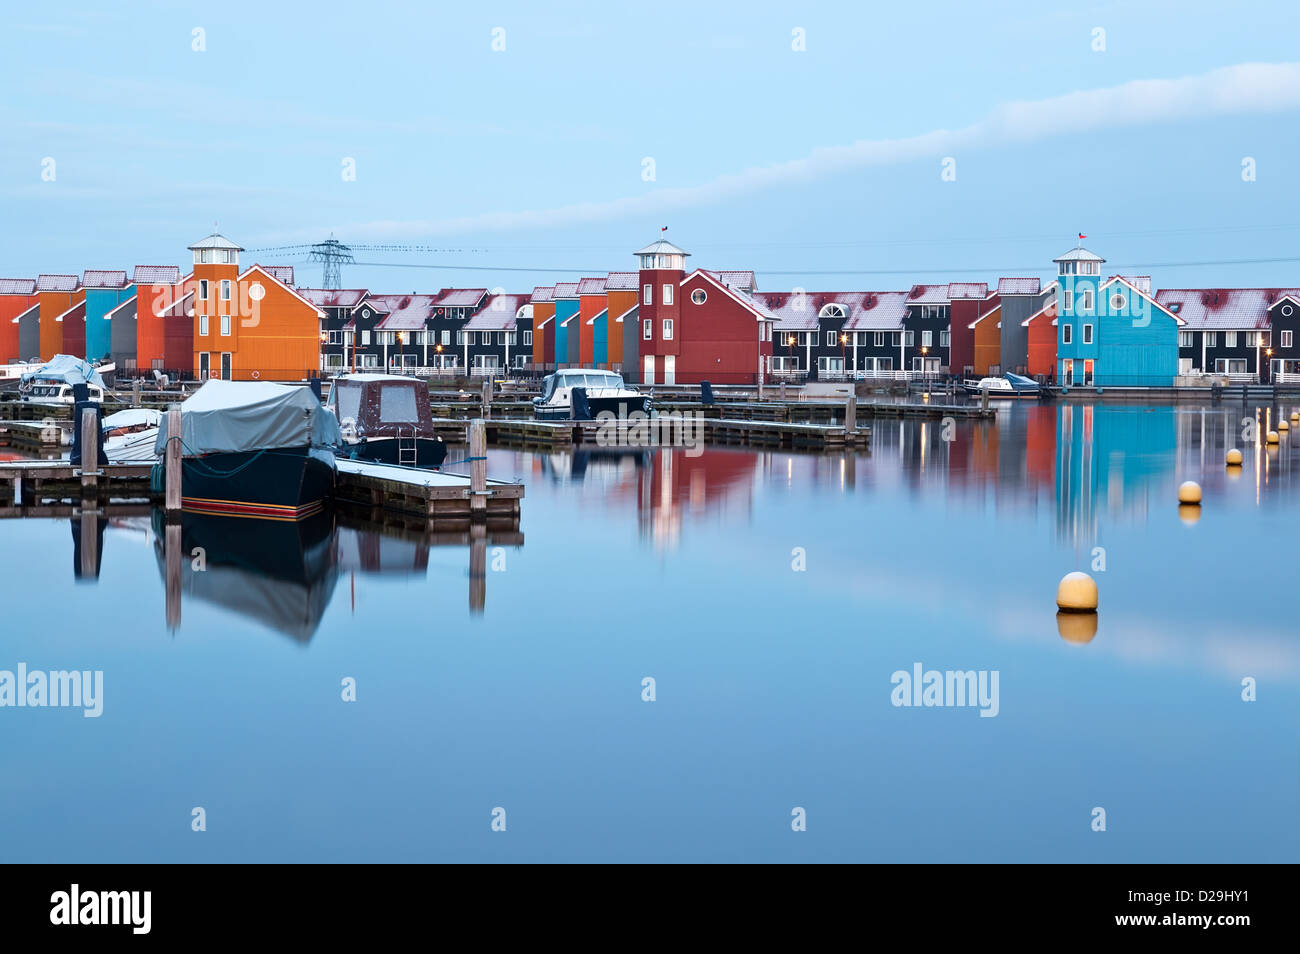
x=699, y=296
x=1117, y=303
x=1286, y=310
x=256, y=291
x=365, y=312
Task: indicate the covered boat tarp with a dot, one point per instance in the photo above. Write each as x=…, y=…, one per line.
x=225, y=417
x=133, y=417
x=66, y=368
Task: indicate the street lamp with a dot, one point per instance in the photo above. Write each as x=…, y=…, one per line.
x=790, y=350
x=844, y=340
x=925, y=373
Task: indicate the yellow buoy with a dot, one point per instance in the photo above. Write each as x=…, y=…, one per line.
x=1077, y=593
x=1283, y=426
x=1272, y=437
x=1189, y=492
x=1234, y=458
x=1189, y=513
x=1076, y=627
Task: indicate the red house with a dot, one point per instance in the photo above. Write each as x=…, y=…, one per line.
x=698, y=327
x=1041, y=327
x=965, y=303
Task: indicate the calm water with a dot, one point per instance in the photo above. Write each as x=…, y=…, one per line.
x=521, y=688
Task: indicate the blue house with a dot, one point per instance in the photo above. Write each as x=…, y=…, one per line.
x=1110, y=333
x=600, y=337
x=105, y=290
x=565, y=325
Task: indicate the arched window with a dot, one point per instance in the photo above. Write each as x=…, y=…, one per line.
x=833, y=310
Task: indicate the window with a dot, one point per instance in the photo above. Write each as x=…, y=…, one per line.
x=878, y=339
x=225, y=325
x=830, y=339
x=487, y=337
x=203, y=324
x=648, y=295
x=365, y=338
x=1085, y=300
x=647, y=328
x=1286, y=339
x=699, y=296
x=528, y=337
x=1087, y=334
x=1067, y=333
x=1286, y=310
x=510, y=337
x=370, y=361
x=668, y=328
x=830, y=364
x=911, y=339
x=943, y=339
x=668, y=294
x=1230, y=339
x=927, y=338
x=1117, y=302
x=1184, y=339
x=225, y=289
x=1069, y=300
x=446, y=336
x=203, y=288
x=1211, y=339
x=895, y=339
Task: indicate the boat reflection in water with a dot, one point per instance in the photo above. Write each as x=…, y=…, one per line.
x=283, y=574
x=279, y=573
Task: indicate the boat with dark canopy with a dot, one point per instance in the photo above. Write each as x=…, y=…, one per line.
x=386, y=418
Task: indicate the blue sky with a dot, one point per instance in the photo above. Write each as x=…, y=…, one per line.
x=793, y=163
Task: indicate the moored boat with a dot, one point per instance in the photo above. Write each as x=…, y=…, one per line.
x=603, y=391
x=255, y=449
x=386, y=418
x=1007, y=386
x=53, y=382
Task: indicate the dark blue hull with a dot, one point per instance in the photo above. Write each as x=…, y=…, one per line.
x=287, y=483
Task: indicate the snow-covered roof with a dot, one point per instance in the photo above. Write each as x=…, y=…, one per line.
x=283, y=273
x=499, y=313
x=52, y=283
x=566, y=290
x=1240, y=309
x=1079, y=254
x=737, y=278
x=333, y=297
x=104, y=278
x=215, y=240
x=460, y=297
x=1019, y=286
x=544, y=293
x=623, y=281
x=591, y=286
x=959, y=290
x=17, y=286
x=866, y=310
x=1140, y=282
x=661, y=247
x=928, y=295
x=404, y=312
x=156, y=275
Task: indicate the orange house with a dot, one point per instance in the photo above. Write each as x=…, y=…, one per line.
x=988, y=340
x=57, y=294
x=620, y=294
x=249, y=326
x=1042, y=341
x=157, y=290
x=591, y=302
x=543, y=312
x=16, y=296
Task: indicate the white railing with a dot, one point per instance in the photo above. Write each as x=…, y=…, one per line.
x=1286, y=377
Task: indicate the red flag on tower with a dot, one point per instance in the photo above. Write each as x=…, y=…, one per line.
x=1082, y=236
x=663, y=228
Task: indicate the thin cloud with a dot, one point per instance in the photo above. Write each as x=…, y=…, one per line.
x=1234, y=90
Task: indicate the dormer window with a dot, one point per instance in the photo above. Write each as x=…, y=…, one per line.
x=833, y=310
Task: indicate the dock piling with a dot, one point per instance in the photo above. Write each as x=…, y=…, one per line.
x=478, y=467
x=487, y=397
x=89, y=425
x=172, y=501
x=851, y=414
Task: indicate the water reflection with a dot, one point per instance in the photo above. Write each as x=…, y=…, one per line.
x=1081, y=466
x=280, y=574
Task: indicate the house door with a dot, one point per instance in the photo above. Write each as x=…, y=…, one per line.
x=670, y=369
x=1067, y=374
x=648, y=375
x=1087, y=372
x=205, y=365
x=225, y=366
